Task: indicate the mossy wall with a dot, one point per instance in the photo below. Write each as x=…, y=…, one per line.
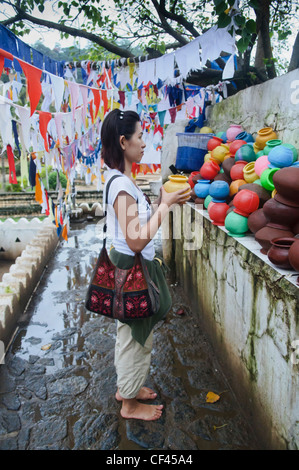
x=250, y=312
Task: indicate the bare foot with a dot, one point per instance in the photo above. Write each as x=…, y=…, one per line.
x=144, y=394
x=133, y=409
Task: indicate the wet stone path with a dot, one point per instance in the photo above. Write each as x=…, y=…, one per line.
x=58, y=382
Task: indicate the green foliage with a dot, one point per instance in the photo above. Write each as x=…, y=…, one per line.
x=53, y=180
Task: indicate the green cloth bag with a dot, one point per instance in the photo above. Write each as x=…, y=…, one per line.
x=141, y=328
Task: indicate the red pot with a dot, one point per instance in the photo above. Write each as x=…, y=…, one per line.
x=190, y=181
x=213, y=143
x=246, y=202
x=235, y=145
x=217, y=212
x=209, y=170
x=236, y=171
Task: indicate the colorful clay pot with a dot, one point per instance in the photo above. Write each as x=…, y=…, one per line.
x=266, y=234
x=205, y=130
x=294, y=150
x=286, y=182
x=218, y=154
x=223, y=177
x=261, y=164
x=209, y=170
x=245, y=136
x=235, y=145
x=202, y=188
x=227, y=164
x=257, y=220
x=207, y=201
x=236, y=224
x=278, y=254
x=271, y=144
x=217, y=212
x=219, y=190
x=267, y=178
x=221, y=135
x=263, y=135
x=233, y=131
x=235, y=185
x=246, y=202
x=294, y=255
x=213, y=143
x=190, y=181
x=262, y=193
x=249, y=175
x=245, y=153
x=176, y=182
x=236, y=172
x=280, y=215
x=280, y=157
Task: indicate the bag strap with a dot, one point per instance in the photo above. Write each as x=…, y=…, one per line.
x=106, y=203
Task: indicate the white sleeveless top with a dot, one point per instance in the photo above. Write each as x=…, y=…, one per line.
x=144, y=213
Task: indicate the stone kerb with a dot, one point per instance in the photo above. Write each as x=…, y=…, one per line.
x=18, y=284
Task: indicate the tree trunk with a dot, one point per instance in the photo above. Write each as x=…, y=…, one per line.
x=294, y=63
x=264, y=49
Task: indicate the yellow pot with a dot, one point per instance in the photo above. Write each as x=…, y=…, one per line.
x=176, y=182
x=205, y=130
x=219, y=153
x=207, y=157
x=249, y=174
x=263, y=135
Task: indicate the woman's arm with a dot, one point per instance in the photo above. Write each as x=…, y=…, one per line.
x=126, y=210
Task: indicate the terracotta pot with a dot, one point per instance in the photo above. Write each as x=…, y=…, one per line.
x=227, y=164
x=223, y=177
x=266, y=234
x=295, y=229
x=278, y=254
x=246, y=202
x=257, y=220
x=236, y=172
x=262, y=193
x=263, y=135
x=294, y=255
x=286, y=182
x=280, y=215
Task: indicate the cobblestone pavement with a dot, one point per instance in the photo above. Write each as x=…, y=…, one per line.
x=58, y=382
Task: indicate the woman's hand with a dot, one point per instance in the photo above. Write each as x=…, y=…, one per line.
x=177, y=197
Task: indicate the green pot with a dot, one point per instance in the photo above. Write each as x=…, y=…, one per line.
x=267, y=178
x=271, y=144
x=236, y=224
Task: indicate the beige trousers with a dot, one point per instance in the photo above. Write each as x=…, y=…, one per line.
x=131, y=360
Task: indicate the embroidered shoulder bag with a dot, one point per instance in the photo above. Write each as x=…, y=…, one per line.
x=123, y=294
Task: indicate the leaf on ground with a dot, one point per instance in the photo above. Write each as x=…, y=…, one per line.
x=212, y=397
x=46, y=346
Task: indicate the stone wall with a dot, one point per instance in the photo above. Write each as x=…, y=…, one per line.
x=250, y=311
x=38, y=240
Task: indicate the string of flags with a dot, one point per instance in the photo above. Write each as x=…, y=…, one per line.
x=60, y=124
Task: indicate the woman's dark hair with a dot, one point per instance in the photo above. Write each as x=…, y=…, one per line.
x=115, y=124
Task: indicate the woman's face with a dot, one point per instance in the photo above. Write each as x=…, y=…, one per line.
x=134, y=147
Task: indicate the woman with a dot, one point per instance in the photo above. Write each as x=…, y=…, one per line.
x=133, y=223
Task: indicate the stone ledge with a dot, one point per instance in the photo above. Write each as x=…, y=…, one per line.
x=18, y=284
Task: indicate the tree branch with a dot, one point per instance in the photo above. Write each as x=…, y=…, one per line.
x=70, y=30
x=167, y=26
